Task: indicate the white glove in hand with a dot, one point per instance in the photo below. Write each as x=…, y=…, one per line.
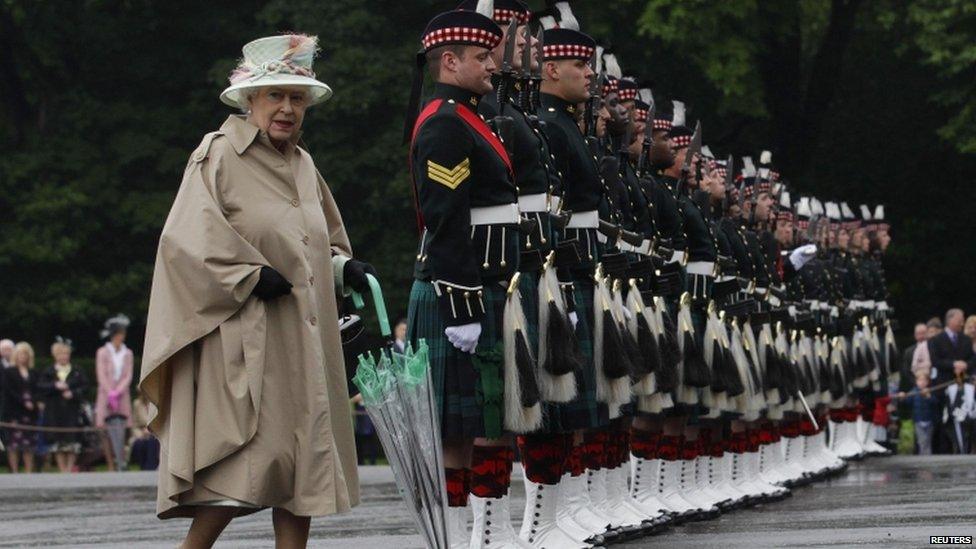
x=800, y=256
x=959, y=415
x=574, y=318
x=464, y=337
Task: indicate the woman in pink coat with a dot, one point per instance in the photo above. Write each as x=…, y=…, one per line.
x=113, y=408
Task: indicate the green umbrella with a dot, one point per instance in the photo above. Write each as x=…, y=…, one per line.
x=397, y=394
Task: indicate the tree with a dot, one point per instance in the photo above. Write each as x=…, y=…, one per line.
x=946, y=33
x=774, y=60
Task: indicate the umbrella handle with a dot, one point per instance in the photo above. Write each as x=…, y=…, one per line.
x=377, y=292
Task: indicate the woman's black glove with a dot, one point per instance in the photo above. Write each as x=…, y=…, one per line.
x=354, y=275
x=271, y=285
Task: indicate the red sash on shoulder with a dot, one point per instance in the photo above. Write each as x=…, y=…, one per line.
x=475, y=123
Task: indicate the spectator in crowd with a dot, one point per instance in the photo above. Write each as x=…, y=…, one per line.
x=113, y=367
x=6, y=358
x=921, y=359
x=907, y=374
x=925, y=411
x=367, y=443
x=960, y=400
x=951, y=347
x=19, y=407
x=970, y=329
x=6, y=353
x=62, y=387
x=144, y=446
x=400, y=335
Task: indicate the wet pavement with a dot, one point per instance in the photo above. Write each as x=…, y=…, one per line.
x=890, y=502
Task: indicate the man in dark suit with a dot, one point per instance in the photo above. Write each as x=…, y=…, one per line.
x=950, y=347
x=947, y=349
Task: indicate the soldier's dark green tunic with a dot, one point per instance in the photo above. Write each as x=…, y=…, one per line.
x=670, y=223
x=583, y=191
x=461, y=264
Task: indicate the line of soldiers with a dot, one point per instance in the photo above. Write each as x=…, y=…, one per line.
x=660, y=338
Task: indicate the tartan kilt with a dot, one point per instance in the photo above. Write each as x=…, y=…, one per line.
x=583, y=412
x=456, y=381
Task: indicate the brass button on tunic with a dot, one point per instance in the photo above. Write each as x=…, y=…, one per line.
x=248, y=407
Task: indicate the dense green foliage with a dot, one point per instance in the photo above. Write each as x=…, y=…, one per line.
x=101, y=102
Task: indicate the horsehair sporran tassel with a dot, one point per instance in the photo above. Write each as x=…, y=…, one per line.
x=770, y=365
x=611, y=362
x=558, y=359
x=667, y=379
x=624, y=324
x=523, y=410
x=650, y=356
x=734, y=382
x=696, y=373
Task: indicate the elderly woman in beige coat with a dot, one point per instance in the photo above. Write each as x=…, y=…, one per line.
x=242, y=361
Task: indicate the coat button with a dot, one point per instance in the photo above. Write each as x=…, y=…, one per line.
x=305, y=240
x=294, y=202
x=313, y=321
x=311, y=281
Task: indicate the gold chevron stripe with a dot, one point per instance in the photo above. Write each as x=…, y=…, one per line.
x=450, y=182
x=434, y=166
x=449, y=178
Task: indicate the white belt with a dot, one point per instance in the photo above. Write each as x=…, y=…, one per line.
x=813, y=303
x=533, y=203
x=725, y=278
x=868, y=304
x=678, y=256
x=774, y=301
x=881, y=305
x=645, y=247
x=495, y=215
x=584, y=220
x=761, y=291
x=554, y=203
x=705, y=268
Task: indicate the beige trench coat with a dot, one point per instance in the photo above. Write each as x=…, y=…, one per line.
x=249, y=398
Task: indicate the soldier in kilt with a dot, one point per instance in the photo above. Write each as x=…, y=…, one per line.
x=467, y=205
x=567, y=81
x=511, y=111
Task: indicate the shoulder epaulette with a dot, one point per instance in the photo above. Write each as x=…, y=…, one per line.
x=203, y=151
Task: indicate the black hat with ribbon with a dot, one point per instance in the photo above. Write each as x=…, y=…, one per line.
x=452, y=28
x=503, y=11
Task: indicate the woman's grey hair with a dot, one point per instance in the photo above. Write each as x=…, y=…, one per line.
x=246, y=97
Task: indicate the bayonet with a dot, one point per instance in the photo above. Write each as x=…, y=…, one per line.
x=729, y=172
x=534, y=99
x=507, y=70
x=644, y=159
x=693, y=149
x=525, y=79
x=590, y=111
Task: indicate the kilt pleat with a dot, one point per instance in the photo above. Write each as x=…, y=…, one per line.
x=456, y=381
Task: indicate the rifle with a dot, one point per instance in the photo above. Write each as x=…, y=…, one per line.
x=525, y=77
x=728, y=183
x=592, y=110
x=644, y=159
x=693, y=149
x=535, y=95
x=507, y=71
